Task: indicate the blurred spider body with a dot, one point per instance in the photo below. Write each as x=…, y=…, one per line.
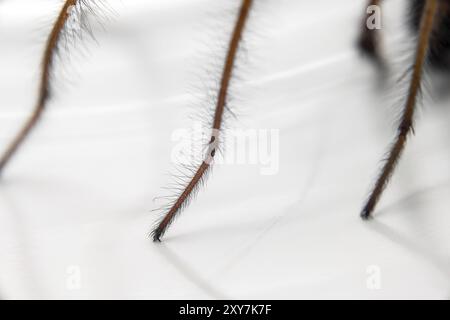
x=430, y=20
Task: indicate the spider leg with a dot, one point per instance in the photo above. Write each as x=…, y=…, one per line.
x=44, y=89
x=406, y=123
x=202, y=170
x=368, y=40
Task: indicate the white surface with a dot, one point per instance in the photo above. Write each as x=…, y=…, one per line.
x=80, y=192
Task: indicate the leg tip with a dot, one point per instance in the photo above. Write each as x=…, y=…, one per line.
x=156, y=236
x=366, y=214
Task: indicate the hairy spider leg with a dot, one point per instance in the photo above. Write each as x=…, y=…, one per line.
x=405, y=127
x=44, y=86
x=202, y=170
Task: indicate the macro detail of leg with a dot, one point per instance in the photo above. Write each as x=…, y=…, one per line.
x=44, y=90
x=368, y=38
x=406, y=123
x=203, y=168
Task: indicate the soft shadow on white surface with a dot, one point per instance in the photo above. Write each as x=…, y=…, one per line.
x=75, y=205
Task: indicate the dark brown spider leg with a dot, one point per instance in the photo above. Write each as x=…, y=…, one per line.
x=44, y=89
x=368, y=40
x=406, y=123
x=181, y=201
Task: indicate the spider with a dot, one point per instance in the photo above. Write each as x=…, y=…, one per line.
x=430, y=19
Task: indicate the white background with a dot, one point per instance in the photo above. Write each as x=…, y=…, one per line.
x=75, y=204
